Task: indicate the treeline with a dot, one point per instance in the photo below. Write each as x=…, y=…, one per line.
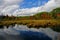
x=54, y=14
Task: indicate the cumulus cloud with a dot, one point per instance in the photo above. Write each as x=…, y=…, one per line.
x=26, y=12
x=52, y=4
x=8, y=7
x=11, y=1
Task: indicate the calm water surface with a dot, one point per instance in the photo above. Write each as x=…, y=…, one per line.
x=21, y=32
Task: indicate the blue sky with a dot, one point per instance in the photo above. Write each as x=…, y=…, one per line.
x=32, y=3
x=27, y=7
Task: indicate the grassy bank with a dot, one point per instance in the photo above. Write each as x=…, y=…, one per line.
x=31, y=22
x=54, y=24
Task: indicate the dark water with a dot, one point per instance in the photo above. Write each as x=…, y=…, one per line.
x=14, y=34
x=29, y=35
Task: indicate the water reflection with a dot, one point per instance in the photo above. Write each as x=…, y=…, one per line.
x=29, y=35
x=22, y=32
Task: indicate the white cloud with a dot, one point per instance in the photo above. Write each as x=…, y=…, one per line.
x=9, y=6
x=12, y=1
x=9, y=9
x=51, y=5
x=27, y=11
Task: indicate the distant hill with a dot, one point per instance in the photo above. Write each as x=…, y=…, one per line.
x=57, y=10
x=56, y=13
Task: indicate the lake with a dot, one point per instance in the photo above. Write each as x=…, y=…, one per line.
x=22, y=32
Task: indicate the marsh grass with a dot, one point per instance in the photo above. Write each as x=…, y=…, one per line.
x=54, y=24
